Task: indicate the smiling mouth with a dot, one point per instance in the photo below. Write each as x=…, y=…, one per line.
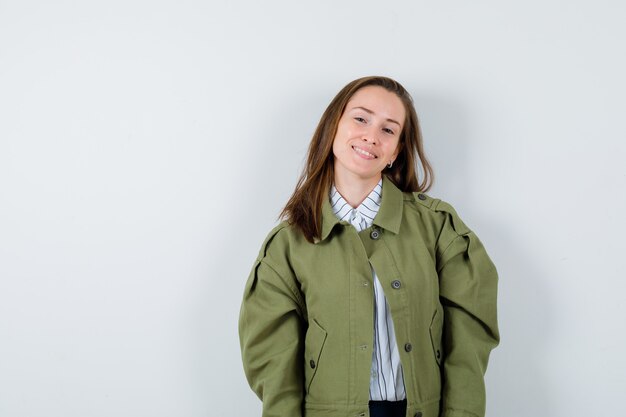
x=364, y=152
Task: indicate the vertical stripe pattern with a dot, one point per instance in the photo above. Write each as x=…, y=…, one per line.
x=386, y=377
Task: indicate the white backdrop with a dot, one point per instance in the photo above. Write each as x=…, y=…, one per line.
x=146, y=148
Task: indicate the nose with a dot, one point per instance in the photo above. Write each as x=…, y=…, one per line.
x=370, y=137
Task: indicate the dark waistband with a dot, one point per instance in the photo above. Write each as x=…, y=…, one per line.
x=401, y=403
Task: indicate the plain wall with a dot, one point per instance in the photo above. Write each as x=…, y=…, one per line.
x=147, y=147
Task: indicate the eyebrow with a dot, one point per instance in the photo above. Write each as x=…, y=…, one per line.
x=371, y=112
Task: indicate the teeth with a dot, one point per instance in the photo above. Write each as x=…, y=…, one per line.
x=363, y=152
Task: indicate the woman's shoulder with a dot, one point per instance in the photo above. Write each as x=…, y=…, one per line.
x=282, y=226
x=437, y=208
x=279, y=239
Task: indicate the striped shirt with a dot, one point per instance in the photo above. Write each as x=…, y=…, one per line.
x=386, y=377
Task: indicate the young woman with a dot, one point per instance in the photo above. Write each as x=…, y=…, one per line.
x=371, y=298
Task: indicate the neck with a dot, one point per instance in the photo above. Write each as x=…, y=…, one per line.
x=353, y=190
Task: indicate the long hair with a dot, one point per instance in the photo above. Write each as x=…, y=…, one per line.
x=304, y=208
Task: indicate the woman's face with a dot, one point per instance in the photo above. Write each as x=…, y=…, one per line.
x=368, y=134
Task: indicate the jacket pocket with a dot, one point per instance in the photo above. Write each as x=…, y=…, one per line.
x=314, y=343
x=436, y=329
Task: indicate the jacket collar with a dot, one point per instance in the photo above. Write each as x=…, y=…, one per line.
x=389, y=215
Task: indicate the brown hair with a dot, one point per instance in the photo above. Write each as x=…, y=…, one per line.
x=304, y=208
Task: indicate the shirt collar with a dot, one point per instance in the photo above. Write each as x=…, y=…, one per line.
x=389, y=214
x=367, y=209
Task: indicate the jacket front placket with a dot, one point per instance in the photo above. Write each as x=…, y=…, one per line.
x=375, y=240
x=382, y=261
x=361, y=316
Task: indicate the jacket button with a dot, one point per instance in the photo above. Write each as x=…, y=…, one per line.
x=312, y=363
x=418, y=414
x=421, y=197
x=408, y=347
x=396, y=284
x=438, y=354
x=375, y=234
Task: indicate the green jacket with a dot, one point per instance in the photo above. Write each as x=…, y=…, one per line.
x=306, y=321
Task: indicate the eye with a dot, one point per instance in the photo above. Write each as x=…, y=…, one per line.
x=360, y=119
x=389, y=131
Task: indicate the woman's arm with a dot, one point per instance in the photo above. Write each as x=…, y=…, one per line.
x=468, y=292
x=271, y=334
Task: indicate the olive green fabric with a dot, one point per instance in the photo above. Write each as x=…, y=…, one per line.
x=306, y=321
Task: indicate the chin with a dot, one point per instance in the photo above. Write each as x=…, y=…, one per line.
x=360, y=171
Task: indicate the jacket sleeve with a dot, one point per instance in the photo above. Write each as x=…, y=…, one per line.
x=271, y=337
x=468, y=291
